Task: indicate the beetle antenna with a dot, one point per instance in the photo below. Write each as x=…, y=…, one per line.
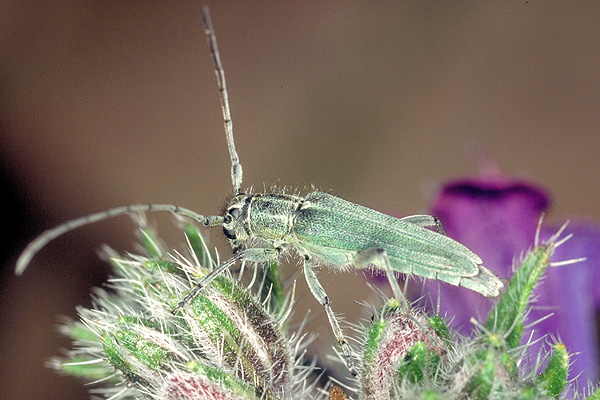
x=236, y=167
x=46, y=237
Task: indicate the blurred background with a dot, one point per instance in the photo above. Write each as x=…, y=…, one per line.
x=111, y=103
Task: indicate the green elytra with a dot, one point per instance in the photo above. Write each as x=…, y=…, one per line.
x=322, y=228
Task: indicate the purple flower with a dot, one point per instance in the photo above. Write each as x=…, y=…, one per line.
x=496, y=218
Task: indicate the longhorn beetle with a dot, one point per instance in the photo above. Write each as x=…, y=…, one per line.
x=321, y=228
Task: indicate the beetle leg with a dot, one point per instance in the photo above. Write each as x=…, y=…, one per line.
x=258, y=254
x=319, y=293
x=379, y=258
x=425, y=221
x=205, y=281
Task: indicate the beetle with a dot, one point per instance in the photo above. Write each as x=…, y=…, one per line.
x=321, y=228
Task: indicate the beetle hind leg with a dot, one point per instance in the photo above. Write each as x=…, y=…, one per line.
x=425, y=221
x=379, y=258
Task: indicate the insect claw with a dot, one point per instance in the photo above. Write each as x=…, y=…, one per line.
x=351, y=368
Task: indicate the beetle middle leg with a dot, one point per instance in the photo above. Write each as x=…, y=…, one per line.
x=317, y=290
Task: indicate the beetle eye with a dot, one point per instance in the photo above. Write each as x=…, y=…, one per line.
x=227, y=219
x=235, y=212
x=229, y=233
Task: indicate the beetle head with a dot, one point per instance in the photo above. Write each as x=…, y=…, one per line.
x=235, y=219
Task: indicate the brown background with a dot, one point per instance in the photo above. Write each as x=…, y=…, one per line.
x=113, y=103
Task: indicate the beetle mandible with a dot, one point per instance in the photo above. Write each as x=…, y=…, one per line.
x=321, y=228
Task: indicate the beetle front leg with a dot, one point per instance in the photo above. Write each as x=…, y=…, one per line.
x=317, y=290
x=258, y=254
x=379, y=258
x=205, y=281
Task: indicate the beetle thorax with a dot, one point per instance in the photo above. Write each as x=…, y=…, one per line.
x=271, y=216
x=261, y=216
